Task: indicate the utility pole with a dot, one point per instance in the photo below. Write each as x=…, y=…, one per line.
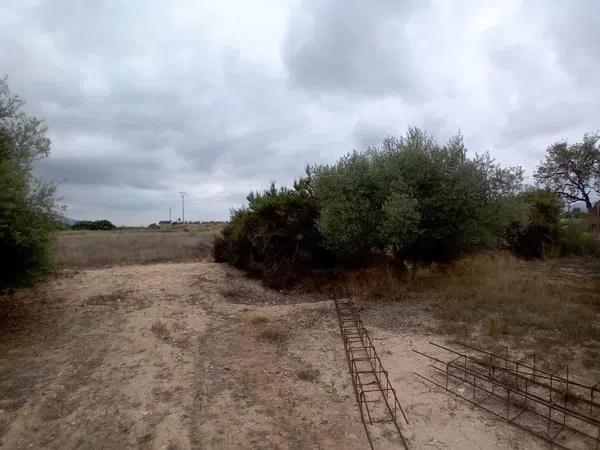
x=169, y=213
x=183, y=194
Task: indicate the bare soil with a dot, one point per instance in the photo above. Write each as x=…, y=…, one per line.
x=194, y=355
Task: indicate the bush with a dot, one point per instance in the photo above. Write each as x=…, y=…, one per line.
x=415, y=198
x=575, y=240
x=275, y=237
x=537, y=230
x=544, y=230
x=93, y=225
x=27, y=208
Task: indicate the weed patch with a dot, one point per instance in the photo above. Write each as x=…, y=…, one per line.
x=274, y=335
x=160, y=330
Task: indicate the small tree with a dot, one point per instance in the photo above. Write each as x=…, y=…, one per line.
x=413, y=197
x=572, y=171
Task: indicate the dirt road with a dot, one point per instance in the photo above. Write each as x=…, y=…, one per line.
x=193, y=355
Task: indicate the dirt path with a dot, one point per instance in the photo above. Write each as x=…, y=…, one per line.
x=192, y=355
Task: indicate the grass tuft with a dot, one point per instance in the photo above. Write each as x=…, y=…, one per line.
x=274, y=335
x=160, y=330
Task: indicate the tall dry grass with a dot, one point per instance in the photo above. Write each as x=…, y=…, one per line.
x=559, y=299
x=81, y=249
x=495, y=298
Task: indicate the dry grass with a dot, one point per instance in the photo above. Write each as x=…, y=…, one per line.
x=504, y=296
x=274, y=335
x=234, y=292
x=258, y=321
x=266, y=331
x=373, y=282
x=160, y=330
x=310, y=375
x=82, y=249
x=549, y=308
x=494, y=299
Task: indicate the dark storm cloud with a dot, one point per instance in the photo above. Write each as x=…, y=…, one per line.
x=145, y=98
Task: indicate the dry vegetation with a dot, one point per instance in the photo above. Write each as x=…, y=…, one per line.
x=82, y=249
x=494, y=299
x=195, y=355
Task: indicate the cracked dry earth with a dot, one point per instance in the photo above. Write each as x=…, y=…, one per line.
x=194, y=355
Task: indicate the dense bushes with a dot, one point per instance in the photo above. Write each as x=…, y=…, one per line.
x=542, y=229
x=410, y=199
x=276, y=236
x=422, y=201
x=26, y=205
x=537, y=229
x=93, y=225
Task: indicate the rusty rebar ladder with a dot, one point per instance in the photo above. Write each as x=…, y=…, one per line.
x=376, y=397
x=562, y=412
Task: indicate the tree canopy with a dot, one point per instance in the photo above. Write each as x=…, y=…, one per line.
x=421, y=200
x=27, y=205
x=572, y=170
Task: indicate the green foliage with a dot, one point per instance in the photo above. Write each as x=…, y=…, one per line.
x=93, y=225
x=575, y=240
x=27, y=206
x=275, y=236
x=537, y=230
x=572, y=171
x=411, y=198
x=414, y=197
x=351, y=196
x=542, y=229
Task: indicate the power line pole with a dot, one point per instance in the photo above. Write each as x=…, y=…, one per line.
x=183, y=194
x=169, y=213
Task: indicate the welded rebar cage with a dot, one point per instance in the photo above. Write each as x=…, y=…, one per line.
x=375, y=395
x=562, y=412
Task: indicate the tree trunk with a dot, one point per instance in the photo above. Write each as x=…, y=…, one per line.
x=588, y=203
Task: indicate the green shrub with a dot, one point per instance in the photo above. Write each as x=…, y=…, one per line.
x=27, y=208
x=574, y=240
x=536, y=232
x=275, y=237
x=415, y=198
x=93, y=225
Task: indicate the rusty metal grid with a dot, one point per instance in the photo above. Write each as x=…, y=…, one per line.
x=556, y=409
x=375, y=395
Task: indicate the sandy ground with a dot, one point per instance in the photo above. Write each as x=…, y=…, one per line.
x=193, y=355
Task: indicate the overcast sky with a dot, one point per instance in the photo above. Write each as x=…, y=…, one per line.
x=144, y=99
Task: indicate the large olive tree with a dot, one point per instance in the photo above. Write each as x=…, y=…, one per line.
x=420, y=200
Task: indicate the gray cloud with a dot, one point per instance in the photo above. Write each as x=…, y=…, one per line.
x=146, y=98
x=352, y=47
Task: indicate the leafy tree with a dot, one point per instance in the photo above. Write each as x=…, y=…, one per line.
x=27, y=205
x=420, y=200
x=352, y=195
x=572, y=171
